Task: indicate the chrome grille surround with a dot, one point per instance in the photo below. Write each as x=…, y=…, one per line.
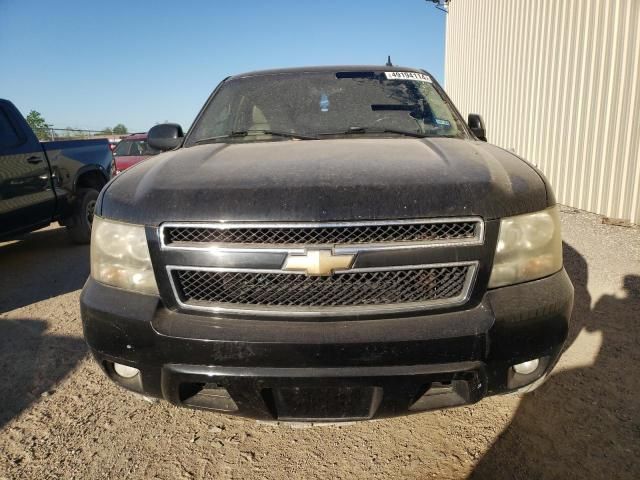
x=460, y=291
x=258, y=263
x=355, y=288
x=295, y=236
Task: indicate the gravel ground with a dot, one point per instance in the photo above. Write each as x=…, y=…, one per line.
x=61, y=418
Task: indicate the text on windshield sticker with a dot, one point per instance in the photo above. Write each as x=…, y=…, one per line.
x=415, y=76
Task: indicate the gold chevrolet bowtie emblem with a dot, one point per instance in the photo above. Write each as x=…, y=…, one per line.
x=318, y=262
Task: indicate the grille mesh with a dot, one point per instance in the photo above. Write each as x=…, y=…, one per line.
x=344, y=289
x=351, y=234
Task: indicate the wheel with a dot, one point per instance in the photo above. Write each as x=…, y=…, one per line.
x=79, y=225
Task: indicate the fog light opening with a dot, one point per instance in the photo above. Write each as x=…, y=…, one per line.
x=125, y=371
x=528, y=367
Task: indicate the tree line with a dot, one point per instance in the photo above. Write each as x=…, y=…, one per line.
x=43, y=130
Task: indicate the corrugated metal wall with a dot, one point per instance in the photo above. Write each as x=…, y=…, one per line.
x=556, y=81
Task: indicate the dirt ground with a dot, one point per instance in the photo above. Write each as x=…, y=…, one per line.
x=61, y=418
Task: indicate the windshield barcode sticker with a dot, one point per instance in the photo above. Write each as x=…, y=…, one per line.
x=415, y=76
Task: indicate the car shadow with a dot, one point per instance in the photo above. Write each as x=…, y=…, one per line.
x=584, y=422
x=32, y=363
x=39, y=266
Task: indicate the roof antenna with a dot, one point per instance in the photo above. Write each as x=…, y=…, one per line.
x=389, y=64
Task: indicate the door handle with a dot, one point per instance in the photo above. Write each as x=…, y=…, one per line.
x=33, y=159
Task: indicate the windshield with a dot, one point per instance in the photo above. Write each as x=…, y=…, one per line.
x=291, y=106
x=135, y=148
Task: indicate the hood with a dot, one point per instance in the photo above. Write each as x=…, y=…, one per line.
x=326, y=180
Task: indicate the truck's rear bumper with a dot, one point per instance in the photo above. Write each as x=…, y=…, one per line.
x=327, y=371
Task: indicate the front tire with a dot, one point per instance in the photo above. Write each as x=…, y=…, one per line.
x=79, y=226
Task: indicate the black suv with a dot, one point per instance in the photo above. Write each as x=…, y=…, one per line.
x=327, y=244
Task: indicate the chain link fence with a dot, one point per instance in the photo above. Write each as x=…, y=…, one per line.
x=81, y=134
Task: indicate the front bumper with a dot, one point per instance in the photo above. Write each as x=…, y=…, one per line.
x=304, y=370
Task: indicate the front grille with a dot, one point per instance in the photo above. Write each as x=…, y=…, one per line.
x=323, y=234
x=350, y=289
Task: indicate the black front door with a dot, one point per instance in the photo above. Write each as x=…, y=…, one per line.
x=27, y=199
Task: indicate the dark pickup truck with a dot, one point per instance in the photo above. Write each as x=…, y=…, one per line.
x=50, y=181
x=327, y=244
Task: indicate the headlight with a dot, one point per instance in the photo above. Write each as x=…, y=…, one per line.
x=120, y=256
x=529, y=247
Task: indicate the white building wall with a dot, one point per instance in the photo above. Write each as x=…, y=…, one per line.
x=556, y=81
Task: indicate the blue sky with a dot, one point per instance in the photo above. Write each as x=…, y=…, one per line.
x=92, y=64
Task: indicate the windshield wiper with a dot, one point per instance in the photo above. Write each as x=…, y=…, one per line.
x=357, y=130
x=245, y=133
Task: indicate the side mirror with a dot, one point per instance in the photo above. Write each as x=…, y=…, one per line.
x=476, y=124
x=166, y=136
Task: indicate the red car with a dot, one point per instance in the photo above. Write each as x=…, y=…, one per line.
x=131, y=150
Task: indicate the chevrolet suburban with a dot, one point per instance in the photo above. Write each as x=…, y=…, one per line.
x=327, y=244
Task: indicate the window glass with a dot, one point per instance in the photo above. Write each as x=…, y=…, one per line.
x=123, y=148
x=8, y=135
x=134, y=148
x=326, y=103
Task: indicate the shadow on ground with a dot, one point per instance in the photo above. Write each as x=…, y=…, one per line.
x=584, y=422
x=32, y=363
x=39, y=266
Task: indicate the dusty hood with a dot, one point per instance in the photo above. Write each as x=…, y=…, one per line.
x=344, y=179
